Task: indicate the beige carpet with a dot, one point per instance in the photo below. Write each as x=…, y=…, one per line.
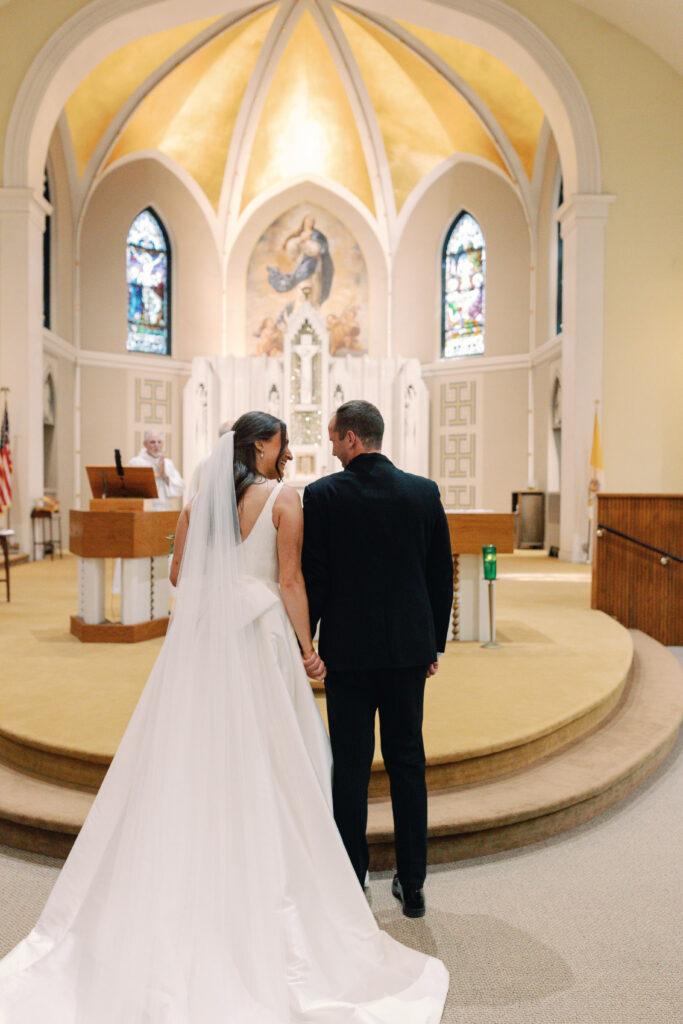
x=60, y=694
x=582, y=929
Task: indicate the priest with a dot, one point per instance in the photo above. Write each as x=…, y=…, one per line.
x=168, y=480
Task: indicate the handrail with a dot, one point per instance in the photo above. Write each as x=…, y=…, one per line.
x=642, y=543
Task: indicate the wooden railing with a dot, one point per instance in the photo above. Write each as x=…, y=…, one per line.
x=638, y=563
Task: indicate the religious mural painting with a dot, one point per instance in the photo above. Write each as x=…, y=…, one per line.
x=307, y=255
x=147, y=276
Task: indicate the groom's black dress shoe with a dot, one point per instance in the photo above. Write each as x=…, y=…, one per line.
x=413, y=900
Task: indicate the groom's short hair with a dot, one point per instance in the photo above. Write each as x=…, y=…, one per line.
x=364, y=419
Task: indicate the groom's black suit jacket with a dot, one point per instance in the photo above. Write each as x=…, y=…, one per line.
x=377, y=565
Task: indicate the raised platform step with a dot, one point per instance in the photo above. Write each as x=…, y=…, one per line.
x=561, y=670
x=561, y=791
x=565, y=789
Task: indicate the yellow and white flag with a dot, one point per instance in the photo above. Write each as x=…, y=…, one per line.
x=597, y=467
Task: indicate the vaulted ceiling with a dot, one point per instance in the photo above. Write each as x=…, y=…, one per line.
x=246, y=105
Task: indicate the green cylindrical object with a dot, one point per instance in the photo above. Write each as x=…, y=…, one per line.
x=489, y=555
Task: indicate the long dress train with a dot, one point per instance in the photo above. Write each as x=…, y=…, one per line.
x=209, y=883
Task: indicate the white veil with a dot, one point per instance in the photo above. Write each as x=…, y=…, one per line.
x=209, y=883
x=146, y=895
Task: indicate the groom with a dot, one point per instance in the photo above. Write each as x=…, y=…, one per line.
x=379, y=577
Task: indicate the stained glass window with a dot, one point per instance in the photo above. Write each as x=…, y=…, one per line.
x=147, y=274
x=558, y=269
x=464, y=282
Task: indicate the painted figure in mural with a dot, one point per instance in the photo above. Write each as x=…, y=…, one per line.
x=344, y=332
x=271, y=340
x=312, y=277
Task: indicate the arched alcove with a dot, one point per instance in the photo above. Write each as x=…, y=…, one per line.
x=121, y=194
x=263, y=213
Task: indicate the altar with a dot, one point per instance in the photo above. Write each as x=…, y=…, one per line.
x=469, y=532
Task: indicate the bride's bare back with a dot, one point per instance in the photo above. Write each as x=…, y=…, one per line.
x=252, y=504
x=288, y=520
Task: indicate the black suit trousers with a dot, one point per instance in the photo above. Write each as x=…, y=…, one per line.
x=353, y=699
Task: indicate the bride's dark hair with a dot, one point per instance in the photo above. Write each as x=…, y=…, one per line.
x=249, y=428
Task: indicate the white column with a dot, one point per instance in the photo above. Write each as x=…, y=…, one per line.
x=22, y=221
x=582, y=219
x=91, y=590
x=136, y=590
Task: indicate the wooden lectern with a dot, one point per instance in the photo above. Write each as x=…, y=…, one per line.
x=470, y=531
x=118, y=526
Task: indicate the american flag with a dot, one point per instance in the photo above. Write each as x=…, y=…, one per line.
x=5, y=464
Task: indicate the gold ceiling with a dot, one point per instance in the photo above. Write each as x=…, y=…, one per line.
x=307, y=124
x=191, y=114
x=307, y=119
x=514, y=106
x=94, y=104
x=423, y=120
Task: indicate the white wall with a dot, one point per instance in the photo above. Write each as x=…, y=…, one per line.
x=417, y=277
x=195, y=280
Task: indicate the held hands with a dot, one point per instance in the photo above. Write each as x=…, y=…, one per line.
x=314, y=665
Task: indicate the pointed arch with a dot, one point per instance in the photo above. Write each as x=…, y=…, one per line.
x=463, y=288
x=148, y=280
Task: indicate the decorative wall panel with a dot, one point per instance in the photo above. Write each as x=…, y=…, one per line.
x=457, y=428
x=152, y=408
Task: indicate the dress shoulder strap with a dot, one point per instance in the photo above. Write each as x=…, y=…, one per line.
x=270, y=501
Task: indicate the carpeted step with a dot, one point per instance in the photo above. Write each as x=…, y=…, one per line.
x=550, y=796
x=40, y=816
x=566, y=788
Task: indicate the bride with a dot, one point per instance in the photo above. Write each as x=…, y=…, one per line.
x=209, y=883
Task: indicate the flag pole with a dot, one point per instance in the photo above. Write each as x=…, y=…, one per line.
x=596, y=467
x=5, y=391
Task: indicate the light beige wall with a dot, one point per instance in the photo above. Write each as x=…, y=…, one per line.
x=195, y=274
x=505, y=437
x=478, y=430
x=64, y=431
x=542, y=410
x=417, y=275
x=637, y=103
x=62, y=241
x=546, y=249
x=118, y=404
x=104, y=418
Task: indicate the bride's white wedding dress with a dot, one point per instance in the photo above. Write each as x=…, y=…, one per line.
x=209, y=883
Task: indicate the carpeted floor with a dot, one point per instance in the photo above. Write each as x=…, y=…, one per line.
x=582, y=929
x=60, y=694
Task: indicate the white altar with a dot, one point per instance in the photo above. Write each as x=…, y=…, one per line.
x=303, y=387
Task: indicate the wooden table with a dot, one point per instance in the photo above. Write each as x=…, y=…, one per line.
x=140, y=540
x=470, y=531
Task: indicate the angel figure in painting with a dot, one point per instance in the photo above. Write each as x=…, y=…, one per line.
x=344, y=332
x=271, y=341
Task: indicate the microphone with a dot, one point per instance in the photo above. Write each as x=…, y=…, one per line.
x=119, y=464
